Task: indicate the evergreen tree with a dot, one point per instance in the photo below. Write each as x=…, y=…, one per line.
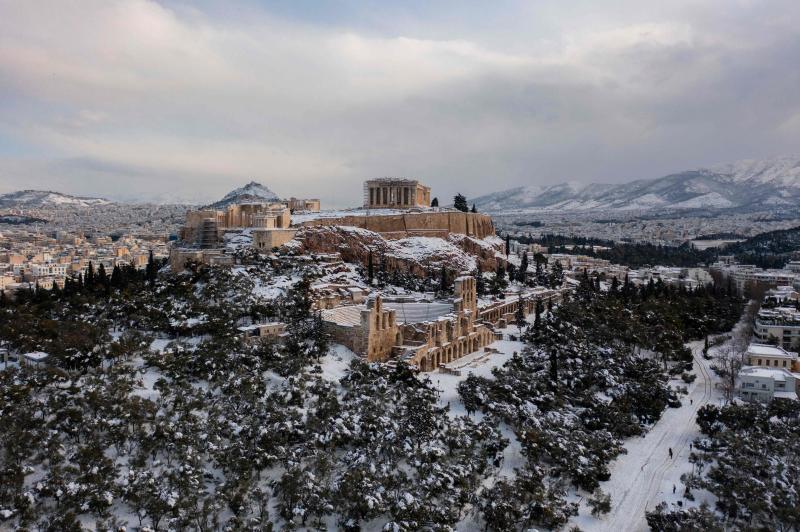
x=89, y=278
x=460, y=203
x=508, y=245
x=519, y=315
x=116, y=277
x=443, y=284
x=537, y=318
x=474, y=209
x=370, y=268
x=435, y=202
x=522, y=275
x=102, y=277
x=152, y=270
x=556, y=278
x=480, y=283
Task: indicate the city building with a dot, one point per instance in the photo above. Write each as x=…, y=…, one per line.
x=763, y=384
x=395, y=193
x=262, y=331
x=779, y=325
x=771, y=356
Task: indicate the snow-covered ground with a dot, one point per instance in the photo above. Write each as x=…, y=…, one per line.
x=645, y=476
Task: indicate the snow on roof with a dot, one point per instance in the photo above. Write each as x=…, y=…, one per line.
x=785, y=395
x=769, y=351
x=776, y=374
x=36, y=356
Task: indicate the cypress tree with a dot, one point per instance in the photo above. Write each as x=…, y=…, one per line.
x=460, y=203
x=89, y=280
x=152, y=269
x=102, y=277
x=435, y=202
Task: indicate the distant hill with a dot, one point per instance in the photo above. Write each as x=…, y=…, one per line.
x=743, y=185
x=251, y=192
x=46, y=198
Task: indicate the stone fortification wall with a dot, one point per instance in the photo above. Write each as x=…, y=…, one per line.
x=403, y=225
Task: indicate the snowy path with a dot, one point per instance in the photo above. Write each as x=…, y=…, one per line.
x=644, y=476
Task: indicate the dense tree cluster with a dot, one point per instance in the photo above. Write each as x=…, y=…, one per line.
x=206, y=432
x=748, y=460
x=585, y=382
x=767, y=250
x=212, y=433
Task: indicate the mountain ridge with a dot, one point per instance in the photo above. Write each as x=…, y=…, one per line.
x=44, y=198
x=746, y=184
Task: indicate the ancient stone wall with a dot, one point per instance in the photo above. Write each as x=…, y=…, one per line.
x=417, y=224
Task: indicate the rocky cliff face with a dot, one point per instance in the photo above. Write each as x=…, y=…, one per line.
x=418, y=255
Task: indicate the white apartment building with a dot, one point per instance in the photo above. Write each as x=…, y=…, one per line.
x=780, y=324
x=48, y=270
x=764, y=384
x=746, y=275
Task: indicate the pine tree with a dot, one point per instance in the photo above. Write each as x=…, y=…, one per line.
x=519, y=315
x=460, y=203
x=102, y=277
x=89, y=278
x=512, y=272
x=480, y=283
x=370, y=268
x=152, y=270
x=508, y=245
x=474, y=209
x=435, y=202
x=116, y=277
x=443, y=284
x=523, y=269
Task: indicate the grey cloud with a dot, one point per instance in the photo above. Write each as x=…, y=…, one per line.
x=154, y=100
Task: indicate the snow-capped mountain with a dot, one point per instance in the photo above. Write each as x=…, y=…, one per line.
x=746, y=184
x=45, y=198
x=251, y=192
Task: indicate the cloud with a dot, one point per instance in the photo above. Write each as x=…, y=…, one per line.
x=132, y=97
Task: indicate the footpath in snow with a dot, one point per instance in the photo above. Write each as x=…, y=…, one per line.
x=644, y=477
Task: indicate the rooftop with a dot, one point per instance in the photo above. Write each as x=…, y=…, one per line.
x=769, y=351
x=776, y=374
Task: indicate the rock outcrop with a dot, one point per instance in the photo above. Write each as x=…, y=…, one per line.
x=417, y=255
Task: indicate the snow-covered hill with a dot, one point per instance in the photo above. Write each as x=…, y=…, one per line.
x=251, y=192
x=745, y=184
x=46, y=198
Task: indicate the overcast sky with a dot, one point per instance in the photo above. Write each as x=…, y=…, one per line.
x=176, y=100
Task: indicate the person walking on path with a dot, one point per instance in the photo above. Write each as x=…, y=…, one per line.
x=670, y=453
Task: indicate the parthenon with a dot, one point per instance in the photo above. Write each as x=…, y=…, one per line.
x=395, y=193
